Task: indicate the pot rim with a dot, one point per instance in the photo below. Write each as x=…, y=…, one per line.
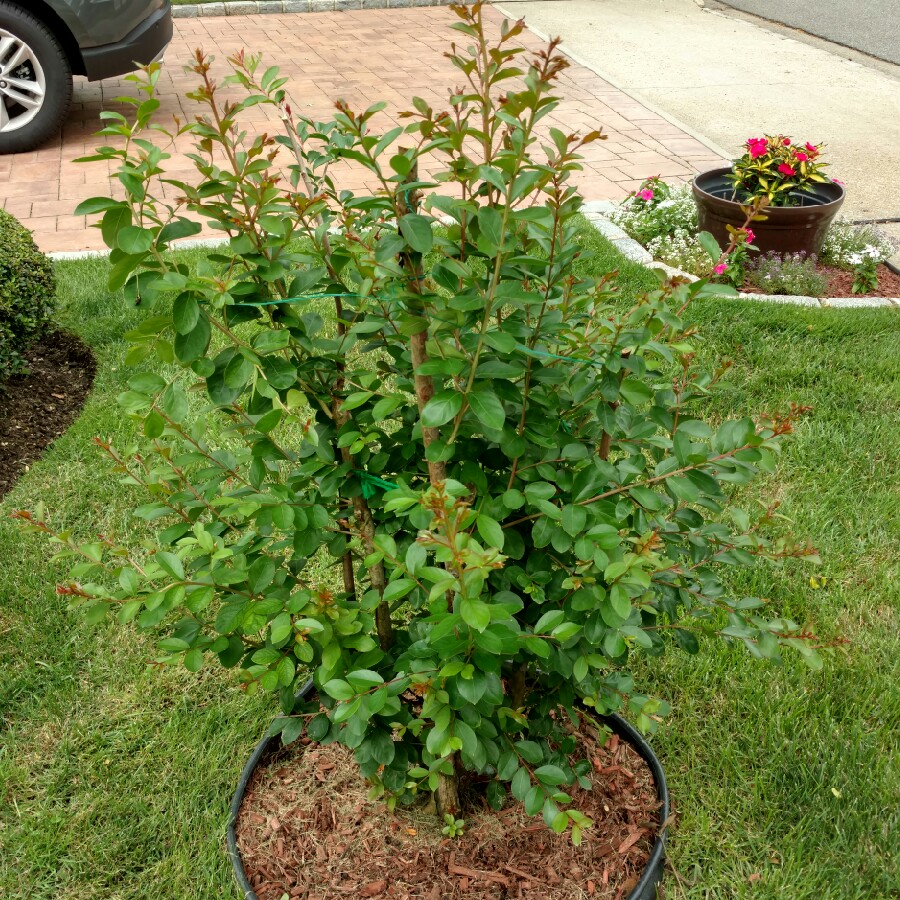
x=653, y=869
x=770, y=210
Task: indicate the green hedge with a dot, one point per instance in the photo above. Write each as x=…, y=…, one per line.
x=27, y=293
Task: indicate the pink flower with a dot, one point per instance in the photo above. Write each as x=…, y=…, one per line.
x=757, y=147
x=802, y=157
x=720, y=269
x=786, y=142
x=645, y=194
x=785, y=169
x=813, y=150
x=750, y=235
x=837, y=181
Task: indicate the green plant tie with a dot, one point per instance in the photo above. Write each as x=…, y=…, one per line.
x=370, y=483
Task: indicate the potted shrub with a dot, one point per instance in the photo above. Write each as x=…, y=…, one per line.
x=800, y=202
x=507, y=468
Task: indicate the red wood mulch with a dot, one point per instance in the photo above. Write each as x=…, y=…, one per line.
x=307, y=830
x=840, y=283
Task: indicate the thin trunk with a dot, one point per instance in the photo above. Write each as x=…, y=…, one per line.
x=424, y=384
x=517, y=687
x=446, y=797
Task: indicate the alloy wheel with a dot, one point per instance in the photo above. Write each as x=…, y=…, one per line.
x=22, y=83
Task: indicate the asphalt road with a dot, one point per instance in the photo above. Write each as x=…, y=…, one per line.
x=870, y=26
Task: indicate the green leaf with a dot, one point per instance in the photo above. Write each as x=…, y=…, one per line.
x=114, y=220
x=397, y=589
x=490, y=531
x=134, y=240
x=488, y=409
x=185, y=313
x=530, y=751
x=363, y=679
x=513, y=499
x=573, y=519
x=193, y=345
x=490, y=223
x=521, y=783
x=170, y=564
x=475, y=613
x=548, y=621
x=551, y=775
x=417, y=231
x=94, y=205
x=708, y=242
x=441, y=408
x=339, y=689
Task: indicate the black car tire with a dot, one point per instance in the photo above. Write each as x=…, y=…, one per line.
x=57, y=75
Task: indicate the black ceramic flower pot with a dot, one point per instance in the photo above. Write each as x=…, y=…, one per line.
x=788, y=229
x=645, y=889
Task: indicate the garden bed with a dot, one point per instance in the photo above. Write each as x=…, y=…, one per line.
x=662, y=219
x=36, y=408
x=840, y=284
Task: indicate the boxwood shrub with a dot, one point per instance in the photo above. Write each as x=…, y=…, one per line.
x=27, y=293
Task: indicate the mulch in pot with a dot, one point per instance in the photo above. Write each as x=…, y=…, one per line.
x=37, y=407
x=307, y=830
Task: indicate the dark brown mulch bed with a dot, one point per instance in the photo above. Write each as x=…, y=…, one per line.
x=37, y=408
x=840, y=283
x=307, y=830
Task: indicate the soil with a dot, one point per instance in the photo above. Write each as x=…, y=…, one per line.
x=307, y=830
x=36, y=408
x=840, y=283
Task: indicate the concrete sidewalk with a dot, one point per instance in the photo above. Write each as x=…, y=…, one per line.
x=730, y=79
x=362, y=57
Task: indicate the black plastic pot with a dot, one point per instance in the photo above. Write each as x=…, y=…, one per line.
x=645, y=889
x=788, y=229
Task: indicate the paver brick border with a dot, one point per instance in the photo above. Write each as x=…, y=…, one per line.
x=264, y=7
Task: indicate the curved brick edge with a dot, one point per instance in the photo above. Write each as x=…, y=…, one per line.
x=257, y=7
x=596, y=212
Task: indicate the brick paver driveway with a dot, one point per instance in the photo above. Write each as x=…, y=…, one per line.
x=360, y=56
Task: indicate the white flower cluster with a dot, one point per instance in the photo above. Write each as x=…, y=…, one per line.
x=645, y=221
x=682, y=250
x=867, y=253
x=847, y=245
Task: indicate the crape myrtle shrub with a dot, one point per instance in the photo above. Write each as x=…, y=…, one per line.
x=506, y=464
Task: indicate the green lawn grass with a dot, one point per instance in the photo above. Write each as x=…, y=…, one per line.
x=115, y=777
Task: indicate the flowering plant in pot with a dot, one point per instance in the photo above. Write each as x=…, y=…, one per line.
x=508, y=469
x=786, y=177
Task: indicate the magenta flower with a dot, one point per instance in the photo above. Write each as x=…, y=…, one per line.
x=785, y=169
x=720, y=269
x=812, y=149
x=757, y=147
x=645, y=194
x=802, y=157
x=786, y=142
x=750, y=235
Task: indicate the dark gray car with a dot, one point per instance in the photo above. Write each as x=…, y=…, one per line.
x=43, y=43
